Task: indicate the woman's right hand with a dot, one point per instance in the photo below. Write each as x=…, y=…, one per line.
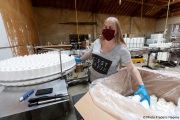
x=78, y=60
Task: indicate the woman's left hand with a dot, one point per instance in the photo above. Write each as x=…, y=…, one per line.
x=144, y=93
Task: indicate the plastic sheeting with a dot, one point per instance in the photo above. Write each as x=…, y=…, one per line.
x=110, y=94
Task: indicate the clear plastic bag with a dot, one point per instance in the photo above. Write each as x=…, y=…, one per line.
x=110, y=93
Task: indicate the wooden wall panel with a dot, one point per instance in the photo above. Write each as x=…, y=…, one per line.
x=136, y=26
x=51, y=31
x=148, y=26
x=100, y=18
x=160, y=25
x=23, y=50
x=125, y=23
x=20, y=24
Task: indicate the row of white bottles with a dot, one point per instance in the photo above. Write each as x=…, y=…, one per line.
x=34, y=66
x=158, y=104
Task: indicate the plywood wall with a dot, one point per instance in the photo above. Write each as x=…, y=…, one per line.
x=160, y=25
x=142, y=27
x=50, y=30
x=130, y=25
x=20, y=24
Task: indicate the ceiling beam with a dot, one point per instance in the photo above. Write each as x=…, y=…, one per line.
x=149, y=4
x=170, y=15
x=98, y=4
x=172, y=3
x=79, y=23
x=173, y=11
x=165, y=1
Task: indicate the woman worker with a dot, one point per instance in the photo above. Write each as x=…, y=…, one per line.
x=108, y=52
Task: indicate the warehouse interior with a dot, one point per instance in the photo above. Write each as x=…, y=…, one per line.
x=33, y=33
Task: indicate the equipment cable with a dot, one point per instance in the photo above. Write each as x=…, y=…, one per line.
x=77, y=29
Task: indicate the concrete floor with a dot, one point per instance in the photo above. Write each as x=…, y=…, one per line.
x=75, y=90
x=56, y=113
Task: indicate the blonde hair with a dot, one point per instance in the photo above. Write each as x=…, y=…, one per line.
x=118, y=37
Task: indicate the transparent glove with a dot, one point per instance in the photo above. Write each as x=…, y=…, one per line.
x=144, y=93
x=78, y=60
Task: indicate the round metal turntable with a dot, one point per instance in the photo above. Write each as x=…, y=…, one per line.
x=35, y=69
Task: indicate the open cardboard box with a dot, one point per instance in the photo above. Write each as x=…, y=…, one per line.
x=106, y=100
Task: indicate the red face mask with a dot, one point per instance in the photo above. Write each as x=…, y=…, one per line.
x=108, y=34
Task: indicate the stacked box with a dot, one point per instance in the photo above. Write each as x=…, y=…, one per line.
x=155, y=38
x=134, y=43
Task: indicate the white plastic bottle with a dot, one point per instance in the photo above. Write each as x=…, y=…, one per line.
x=178, y=104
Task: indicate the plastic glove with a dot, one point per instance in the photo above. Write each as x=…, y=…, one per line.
x=144, y=93
x=78, y=60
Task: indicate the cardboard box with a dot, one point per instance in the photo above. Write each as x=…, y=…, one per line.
x=107, y=101
x=89, y=111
